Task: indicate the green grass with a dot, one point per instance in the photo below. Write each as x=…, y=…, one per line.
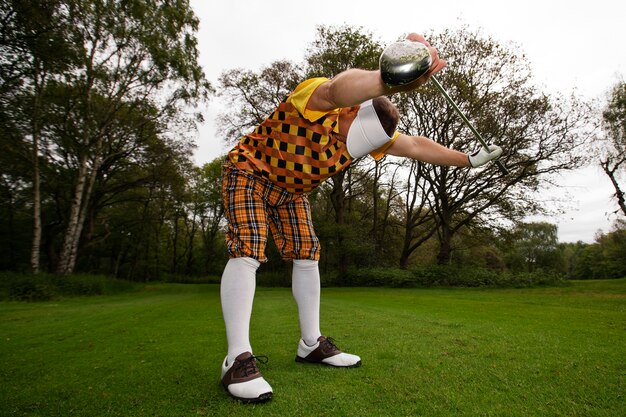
x=430, y=352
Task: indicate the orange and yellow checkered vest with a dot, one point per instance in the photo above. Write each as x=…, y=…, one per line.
x=294, y=153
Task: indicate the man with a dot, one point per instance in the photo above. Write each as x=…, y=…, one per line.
x=318, y=130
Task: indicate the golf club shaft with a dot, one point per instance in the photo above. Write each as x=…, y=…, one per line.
x=467, y=122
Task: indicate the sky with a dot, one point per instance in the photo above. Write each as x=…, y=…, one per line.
x=573, y=47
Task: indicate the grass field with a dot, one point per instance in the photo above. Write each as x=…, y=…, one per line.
x=427, y=352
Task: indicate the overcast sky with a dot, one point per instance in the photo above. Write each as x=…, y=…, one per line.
x=571, y=45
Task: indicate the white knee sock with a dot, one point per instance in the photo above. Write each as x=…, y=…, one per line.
x=237, y=294
x=305, y=284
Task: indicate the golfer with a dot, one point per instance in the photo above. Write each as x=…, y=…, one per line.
x=317, y=131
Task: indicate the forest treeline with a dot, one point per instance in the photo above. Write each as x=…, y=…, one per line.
x=98, y=105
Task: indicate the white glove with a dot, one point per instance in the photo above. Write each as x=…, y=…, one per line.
x=483, y=156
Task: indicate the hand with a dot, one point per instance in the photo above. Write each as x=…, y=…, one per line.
x=483, y=156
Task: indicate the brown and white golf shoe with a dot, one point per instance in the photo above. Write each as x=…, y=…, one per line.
x=243, y=381
x=326, y=352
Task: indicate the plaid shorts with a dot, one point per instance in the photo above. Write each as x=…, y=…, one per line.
x=252, y=204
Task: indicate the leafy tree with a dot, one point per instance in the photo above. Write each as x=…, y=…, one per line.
x=614, y=161
x=336, y=49
x=34, y=49
x=205, y=218
x=534, y=246
x=135, y=54
x=600, y=260
x=572, y=255
x=612, y=247
x=89, y=87
x=540, y=135
x=15, y=221
x=171, y=226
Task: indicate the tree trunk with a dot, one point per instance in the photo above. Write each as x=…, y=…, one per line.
x=417, y=215
x=36, y=246
x=382, y=235
x=174, y=267
x=84, y=208
x=338, y=197
x=338, y=200
x=445, y=246
x=63, y=266
x=10, y=221
x=410, y=244
x=404, y=255
x=189, y=267
x=375, y=186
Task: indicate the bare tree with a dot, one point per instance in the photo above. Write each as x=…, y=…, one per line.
x=250, y=97
x=541, y=135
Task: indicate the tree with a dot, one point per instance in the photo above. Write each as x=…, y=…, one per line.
x=209, y=191
x=541, y=135
x=84, y=85
x=419, y=224
x=250, y=97
x=533, y=246
x=612, y=249
x=614, y=161
x=603, y=259
x=571, y=255
x=135, y=55
x=33, y=49
x=140, y=187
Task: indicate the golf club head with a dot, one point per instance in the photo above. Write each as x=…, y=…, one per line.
x=404, y=62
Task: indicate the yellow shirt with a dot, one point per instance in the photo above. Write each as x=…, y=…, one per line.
x=296, y=148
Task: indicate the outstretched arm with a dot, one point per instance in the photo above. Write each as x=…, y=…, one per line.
x=427, y=150
x=354, y=86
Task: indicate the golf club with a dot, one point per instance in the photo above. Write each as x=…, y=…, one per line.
x=404, y=62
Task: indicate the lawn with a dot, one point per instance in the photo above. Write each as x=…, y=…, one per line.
x=429, y=352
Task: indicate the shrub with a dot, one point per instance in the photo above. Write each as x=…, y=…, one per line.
x=79, y=284
x=481, y=277
x=429, y=276
x=377, y=277
x=183, y=279
x=274, y=278
x=43, y=287
x=30, y=288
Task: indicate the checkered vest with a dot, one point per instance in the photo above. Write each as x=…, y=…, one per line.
x=291, y=151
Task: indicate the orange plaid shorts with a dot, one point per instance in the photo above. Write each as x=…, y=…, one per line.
x=253, y=204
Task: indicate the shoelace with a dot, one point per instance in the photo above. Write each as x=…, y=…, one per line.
x=329, y=344
x=248, y=366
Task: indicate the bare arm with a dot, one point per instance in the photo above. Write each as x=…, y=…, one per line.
x=351, y=87
x=354, y=86
x=427, y=150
